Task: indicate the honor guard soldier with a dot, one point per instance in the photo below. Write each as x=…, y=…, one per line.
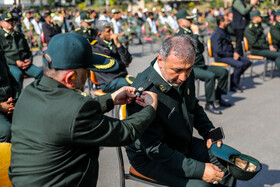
x=201, y=71
x=57, y=129
x=16, y=50
x=275, y=30
x=257, y=39
x=86, y=29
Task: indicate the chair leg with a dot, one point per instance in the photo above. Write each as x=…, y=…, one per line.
x=251, y=73
x=143, y=46
x=264, y=71
x=121, y=167
x=229, y=81
x=272, y=69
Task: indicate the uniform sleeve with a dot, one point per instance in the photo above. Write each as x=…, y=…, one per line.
x=254, y=41
x=91, y=127
x=152, y=142
x=124, y=55
x=241, y=9
x=275, y=34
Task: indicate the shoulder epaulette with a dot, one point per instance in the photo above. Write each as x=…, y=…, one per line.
x=77, y=29
x=251, y=25
x=93, y=42
x=274, y=23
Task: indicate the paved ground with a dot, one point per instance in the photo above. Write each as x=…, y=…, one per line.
x=251, y=125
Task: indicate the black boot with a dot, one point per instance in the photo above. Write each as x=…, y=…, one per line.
x=211, y=108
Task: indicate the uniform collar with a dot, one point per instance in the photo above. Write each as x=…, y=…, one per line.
x=7, y=33
x=49, y=82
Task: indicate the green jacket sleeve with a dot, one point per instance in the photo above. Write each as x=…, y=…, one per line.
x=240, y=7
x=254, y=42
x=90, y=127
x=275, y=34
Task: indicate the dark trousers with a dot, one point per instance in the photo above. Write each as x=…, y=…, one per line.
x=198, y=151
x=239, y=33
x=209, y=74
x=240, y=67
x=32, y=71
x=5, y=127
x=271, y=55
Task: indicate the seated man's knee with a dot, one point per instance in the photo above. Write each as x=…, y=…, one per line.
x=5, y=132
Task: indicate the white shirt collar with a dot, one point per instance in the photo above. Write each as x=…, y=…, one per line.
x=156, y=67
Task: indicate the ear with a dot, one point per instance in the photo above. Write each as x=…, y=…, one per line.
x=69, y=79
x=160, y=61
x=100, y=35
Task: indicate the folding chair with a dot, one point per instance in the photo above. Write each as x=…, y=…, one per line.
x=5, y=158
x=133, y=174
x=253, y=58
x=220, y=64
x=147, y=39
x=269, y=39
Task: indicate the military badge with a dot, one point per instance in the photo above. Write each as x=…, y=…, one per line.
x=162, y=88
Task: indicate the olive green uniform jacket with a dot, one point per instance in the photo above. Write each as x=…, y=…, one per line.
x=89, y=34
x=8, y=85
x=56, y=134
x=14, y=46
x=275, y=33
x=199, y=59
x=256, y=37
x=167, y=141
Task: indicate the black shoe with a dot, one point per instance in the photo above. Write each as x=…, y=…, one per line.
x=211, y=108
x=233, y=89
x=224, y=103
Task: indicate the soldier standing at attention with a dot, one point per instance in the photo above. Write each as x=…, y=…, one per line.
x=86, y=29
x=275, y=30
x=16, y=50
x=257, y=39
x=203, y=72
x=9, y=91
x=56, y=141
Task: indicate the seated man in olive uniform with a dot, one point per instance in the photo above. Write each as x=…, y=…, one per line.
x=9, y=92
x=56, y=141
x=275, y=30
x=203, y=72
x=257, y=39
x=86, y=29
x=107, y=43
x=167, y=151
x=16, y=51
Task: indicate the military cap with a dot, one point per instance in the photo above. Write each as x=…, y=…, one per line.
x=254, y=13
x=85, y=16
x=73, y=51
x=6, y=16
x=184, y=14
x=277, y=13
x=37, y=15
x=114, y=11
x=241, y=166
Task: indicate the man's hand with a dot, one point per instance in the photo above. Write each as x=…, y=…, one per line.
x=272, y=48
x=254, y=2
x=26, y=64
x=124, y=95
x=147, y=98
x=7, y=106
x=19, y=63
x=114, y=37
x=236, y=56
x=209, y=143
x=195, y=29
x=212, y=173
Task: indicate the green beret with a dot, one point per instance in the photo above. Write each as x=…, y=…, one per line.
x=184, y=14
x=255, y=13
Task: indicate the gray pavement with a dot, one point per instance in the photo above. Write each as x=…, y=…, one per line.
x=251, y=125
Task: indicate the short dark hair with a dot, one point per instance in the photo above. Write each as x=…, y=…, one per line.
x=150, y=14
x=219, y=19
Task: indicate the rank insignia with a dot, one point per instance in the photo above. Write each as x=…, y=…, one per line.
x=162, y=88
x=188, y=91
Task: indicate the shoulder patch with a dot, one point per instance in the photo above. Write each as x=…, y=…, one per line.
x=251, y=25
x=77, y=29
x=93, y=42
x=274, y=23
x=178, y=30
